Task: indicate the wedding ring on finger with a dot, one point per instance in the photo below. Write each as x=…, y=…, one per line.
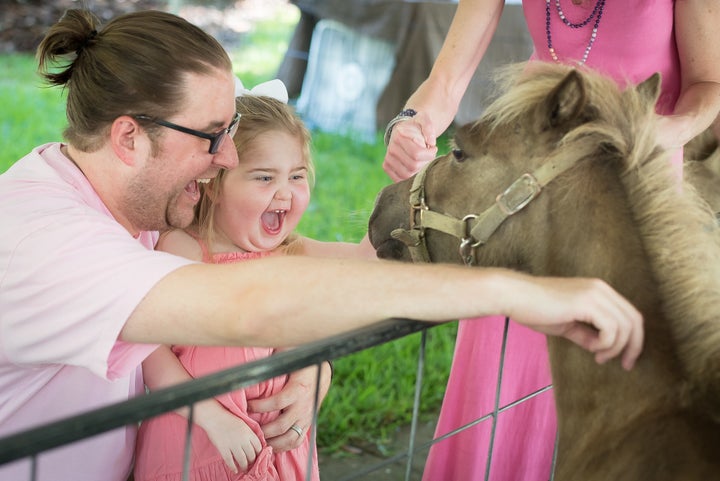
x=297, y=429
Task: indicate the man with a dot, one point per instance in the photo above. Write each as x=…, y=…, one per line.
x=85, y=298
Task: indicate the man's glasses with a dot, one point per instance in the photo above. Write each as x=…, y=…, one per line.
x=215, y=139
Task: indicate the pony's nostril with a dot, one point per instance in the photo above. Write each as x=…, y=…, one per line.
x=392, y=249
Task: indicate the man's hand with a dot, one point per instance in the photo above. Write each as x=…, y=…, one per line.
x=295, y=402
x=586, y=311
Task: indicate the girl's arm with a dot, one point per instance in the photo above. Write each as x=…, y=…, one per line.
x=236, y=442
x=316, y=248
x=180, y=243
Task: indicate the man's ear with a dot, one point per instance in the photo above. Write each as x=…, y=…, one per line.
x=127, y=138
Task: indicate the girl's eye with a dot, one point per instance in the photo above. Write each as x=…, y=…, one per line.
x=459, y=155
x=265, y=178
x=298, y=177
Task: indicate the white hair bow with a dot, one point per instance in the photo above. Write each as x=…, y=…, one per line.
x=274, y=88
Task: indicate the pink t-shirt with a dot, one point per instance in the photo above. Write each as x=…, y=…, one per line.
x=70, y=276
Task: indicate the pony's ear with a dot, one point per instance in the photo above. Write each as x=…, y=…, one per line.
x=567, y=100
x=650, y=88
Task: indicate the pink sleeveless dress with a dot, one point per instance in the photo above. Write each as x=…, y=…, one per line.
x=634, y=40
x=161, y=440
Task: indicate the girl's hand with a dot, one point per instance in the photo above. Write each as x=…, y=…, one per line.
x=237, y=443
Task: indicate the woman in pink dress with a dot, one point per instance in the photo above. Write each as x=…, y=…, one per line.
x=246, y=213
x=628, y=41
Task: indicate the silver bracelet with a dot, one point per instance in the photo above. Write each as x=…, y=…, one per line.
x=402, y=116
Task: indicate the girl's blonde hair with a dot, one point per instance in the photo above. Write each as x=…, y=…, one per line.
x=258, y=115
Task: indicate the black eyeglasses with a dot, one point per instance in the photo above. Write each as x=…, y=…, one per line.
x=215, y=139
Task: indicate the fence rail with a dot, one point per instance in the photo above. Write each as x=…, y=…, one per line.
x=32, y=442
x=42, y=438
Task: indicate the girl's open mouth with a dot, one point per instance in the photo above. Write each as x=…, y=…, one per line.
x=272, y=221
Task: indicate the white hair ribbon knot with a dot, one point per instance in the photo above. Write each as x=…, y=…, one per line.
x=274, y=88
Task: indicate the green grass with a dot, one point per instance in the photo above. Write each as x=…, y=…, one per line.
x=31, y=114
x=373, y=390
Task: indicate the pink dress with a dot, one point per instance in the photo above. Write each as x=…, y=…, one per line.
x=634, y=40
x=161, y=440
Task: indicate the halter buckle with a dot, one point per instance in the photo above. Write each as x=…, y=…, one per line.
x=416, y=209
x=518, y=195
x=467, y=243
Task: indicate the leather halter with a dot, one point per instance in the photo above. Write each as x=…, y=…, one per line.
x=473, y=230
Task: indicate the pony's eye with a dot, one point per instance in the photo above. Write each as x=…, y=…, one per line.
x=459, y=155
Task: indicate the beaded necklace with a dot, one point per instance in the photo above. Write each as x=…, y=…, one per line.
x=596, y=14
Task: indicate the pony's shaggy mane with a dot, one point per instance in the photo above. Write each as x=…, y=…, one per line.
x=624, y=120
x=681, y=238
x=679, y=232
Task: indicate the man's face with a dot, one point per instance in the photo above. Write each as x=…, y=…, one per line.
x=165, y=189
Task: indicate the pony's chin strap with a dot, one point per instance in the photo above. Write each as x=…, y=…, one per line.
x=414, y=240
x=473, y=230
x=414, y=237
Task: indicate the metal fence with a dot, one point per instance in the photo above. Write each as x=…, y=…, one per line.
x=33, y=442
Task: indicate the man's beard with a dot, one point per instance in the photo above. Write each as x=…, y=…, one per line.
x=149, y=208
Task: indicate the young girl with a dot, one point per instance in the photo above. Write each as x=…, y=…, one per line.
x=245, y=213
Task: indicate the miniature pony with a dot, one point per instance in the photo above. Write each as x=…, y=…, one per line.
x=562, y=176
